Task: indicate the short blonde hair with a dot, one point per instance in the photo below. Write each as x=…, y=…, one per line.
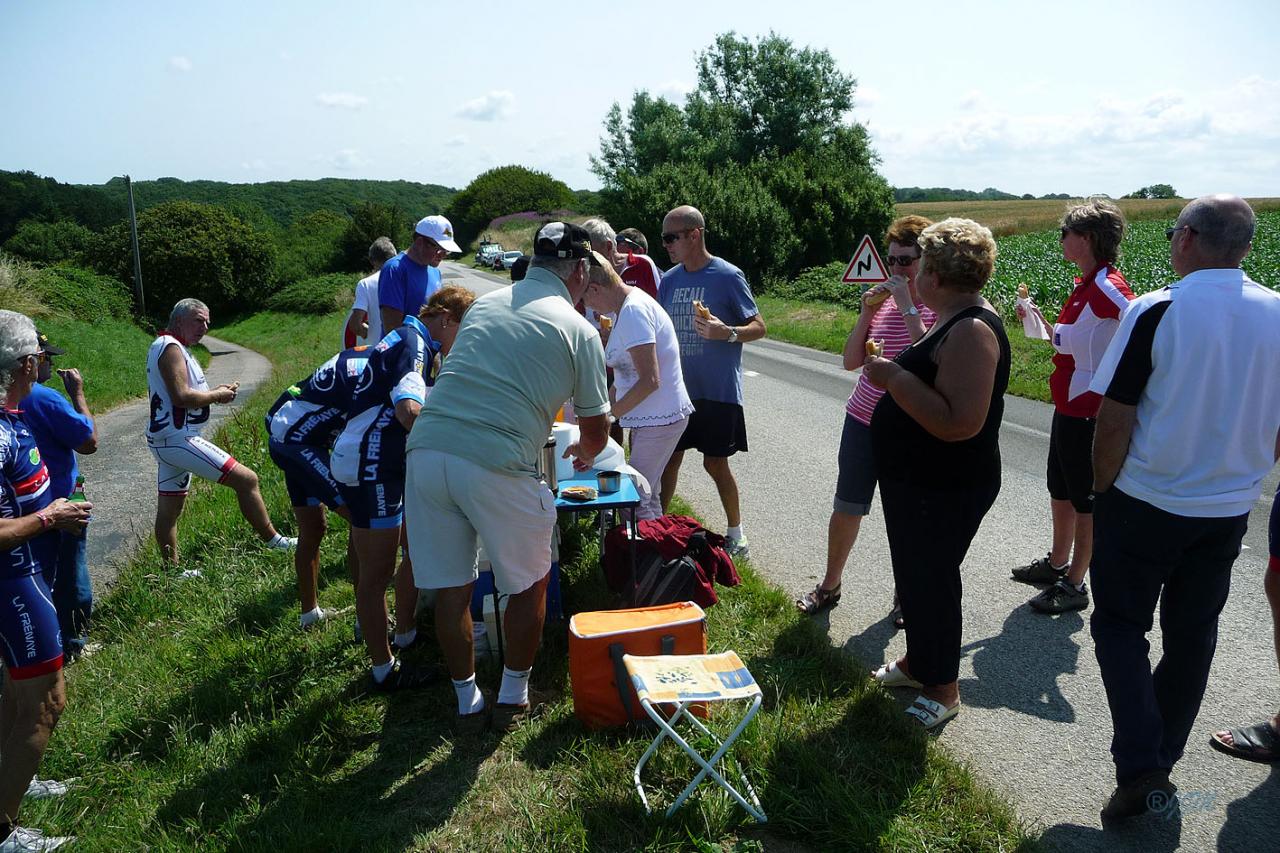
x=450, y=299
x=960, y=252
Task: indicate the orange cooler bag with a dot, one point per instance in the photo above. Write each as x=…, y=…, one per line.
x=602, y=693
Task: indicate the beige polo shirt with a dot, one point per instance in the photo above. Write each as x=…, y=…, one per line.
x=521, y=352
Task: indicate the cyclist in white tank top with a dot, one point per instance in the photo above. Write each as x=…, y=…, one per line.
x=180, y=399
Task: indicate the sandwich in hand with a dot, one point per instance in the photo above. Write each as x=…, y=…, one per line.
x=875, y=348
x=703, y=311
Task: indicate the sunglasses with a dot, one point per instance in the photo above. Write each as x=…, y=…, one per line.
x=901, y=260
x=1169, y=232
x=668, y=239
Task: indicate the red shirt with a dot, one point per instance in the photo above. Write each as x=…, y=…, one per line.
x=1085, y=326
x=643, y=273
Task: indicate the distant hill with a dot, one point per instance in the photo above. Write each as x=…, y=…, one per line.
x=914, y=194
x=285, y=201
x=25, y=195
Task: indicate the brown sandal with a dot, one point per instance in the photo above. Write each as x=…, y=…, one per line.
x=818, y=599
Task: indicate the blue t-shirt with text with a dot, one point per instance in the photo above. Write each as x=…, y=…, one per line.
x=405, y=285
x=712, y=369
x=58, y=429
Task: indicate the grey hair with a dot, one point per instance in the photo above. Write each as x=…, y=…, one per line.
x=381, y=251
x=184, y=308
x=17, y=338
x=1225, y=224
x=599, y=232
x=561, y=268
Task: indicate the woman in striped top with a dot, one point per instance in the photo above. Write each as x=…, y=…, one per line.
x=897, y=322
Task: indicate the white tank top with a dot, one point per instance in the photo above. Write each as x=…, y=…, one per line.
x=167, y=420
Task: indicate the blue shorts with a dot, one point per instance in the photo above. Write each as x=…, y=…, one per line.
x=307, y=477
x=30, y=641
x=856, y=481
x=375, y=505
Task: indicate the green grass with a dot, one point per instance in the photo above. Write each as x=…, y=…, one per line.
x=210, y=722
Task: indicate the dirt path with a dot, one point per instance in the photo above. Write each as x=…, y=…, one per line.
x=121, y=477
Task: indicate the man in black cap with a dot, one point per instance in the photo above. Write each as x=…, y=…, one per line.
x=62, y=429
x=521, y=352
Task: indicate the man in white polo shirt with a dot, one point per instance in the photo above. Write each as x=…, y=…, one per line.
x=1189, y=426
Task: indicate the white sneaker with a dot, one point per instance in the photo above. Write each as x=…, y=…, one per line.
x=738, y=549
x=191, y=573
x=24, y=840
x=282, y=543
x=47, y=789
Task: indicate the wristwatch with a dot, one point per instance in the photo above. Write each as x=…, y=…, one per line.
x=913, y=311
x=733, y=335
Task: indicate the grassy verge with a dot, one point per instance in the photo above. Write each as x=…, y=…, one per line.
x=825, y=326
x=209, y=721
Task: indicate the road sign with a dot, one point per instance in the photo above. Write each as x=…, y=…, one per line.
x=866, y=266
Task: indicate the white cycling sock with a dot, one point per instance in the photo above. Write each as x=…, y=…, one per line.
x=403, y=640
x=381, y=671
x=733, y=532
x=470, y=699
x=515, y=687
x=311, y=617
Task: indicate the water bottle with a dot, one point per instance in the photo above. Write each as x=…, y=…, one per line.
x=77, y=494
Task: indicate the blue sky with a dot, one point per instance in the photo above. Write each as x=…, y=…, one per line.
x=1027, y=97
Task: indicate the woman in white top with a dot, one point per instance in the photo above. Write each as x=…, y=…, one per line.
x=648, y=393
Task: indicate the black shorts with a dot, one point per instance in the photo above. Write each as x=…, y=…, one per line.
x=715, y=429
x=1070, y=468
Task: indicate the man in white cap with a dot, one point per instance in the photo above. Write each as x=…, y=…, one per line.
x=407, y=281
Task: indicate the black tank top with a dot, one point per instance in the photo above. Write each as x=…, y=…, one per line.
x=907, y=452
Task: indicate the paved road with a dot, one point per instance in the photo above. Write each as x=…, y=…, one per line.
x=1035, y=722
x=478, y=281
x=121, y=477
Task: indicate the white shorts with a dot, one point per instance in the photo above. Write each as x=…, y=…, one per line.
x=178, y=458
x=449, y=501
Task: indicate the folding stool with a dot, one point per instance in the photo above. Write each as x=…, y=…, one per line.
x=684, y=680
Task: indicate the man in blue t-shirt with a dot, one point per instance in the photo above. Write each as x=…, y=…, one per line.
x=714, y=314
x=62, y=429
x=408, y=280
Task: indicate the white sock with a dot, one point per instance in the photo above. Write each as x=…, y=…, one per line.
x=470, y=699
x=381, y=671
x=515, y=687
x=733, y=532
x=403, y=640
x=311, y=617
x=280, y=542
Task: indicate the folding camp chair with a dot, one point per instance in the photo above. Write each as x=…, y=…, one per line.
x=684, y=680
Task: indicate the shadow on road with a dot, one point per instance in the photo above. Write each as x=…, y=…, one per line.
x=1019, y=667
x=1253, y=818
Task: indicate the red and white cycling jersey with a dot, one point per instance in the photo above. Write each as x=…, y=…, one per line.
x=169, y=422
x=642, y=272
x=1085, y=326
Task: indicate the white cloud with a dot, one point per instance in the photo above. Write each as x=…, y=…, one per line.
x=491, y=107
x=866, y=97
x=674, y=90
x=344, y=160
x=342, y=100
x=180, y=63
x=457, y=139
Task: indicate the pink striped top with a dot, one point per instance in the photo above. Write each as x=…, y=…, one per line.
x=886, y=325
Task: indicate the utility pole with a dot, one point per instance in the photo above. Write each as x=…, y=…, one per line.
x=137, y=258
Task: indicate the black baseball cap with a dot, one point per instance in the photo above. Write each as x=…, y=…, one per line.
x=42, y=341
x=563, y=240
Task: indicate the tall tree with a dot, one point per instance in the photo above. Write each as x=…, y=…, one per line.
x=763, y=146
x=497, y=192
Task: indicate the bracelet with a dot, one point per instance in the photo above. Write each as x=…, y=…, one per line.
x=45, y=521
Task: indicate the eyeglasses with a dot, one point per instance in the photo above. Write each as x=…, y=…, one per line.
x=1169, y=232
x=902, y=260
x=668, y=239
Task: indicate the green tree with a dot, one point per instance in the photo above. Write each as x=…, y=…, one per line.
x=497, y=192
x=1154, y=191
x=188, y=249
x=48, y=242
x=369, y=221
x=762, y=147
x=310, y=246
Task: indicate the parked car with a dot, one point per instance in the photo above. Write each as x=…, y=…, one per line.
x=487, y=252
x=506, y=259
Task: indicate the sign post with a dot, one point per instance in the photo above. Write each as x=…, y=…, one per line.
x=137, y=259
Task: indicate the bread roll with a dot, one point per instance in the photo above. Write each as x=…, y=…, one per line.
x=875, y=348
x=703, y=311
x=1023, y=292
x=876, y=298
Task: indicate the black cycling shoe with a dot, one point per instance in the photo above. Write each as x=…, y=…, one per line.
x=405, y=676
x=1041, y=571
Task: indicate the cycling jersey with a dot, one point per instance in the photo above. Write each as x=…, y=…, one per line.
x=25, y=488
x=312, y=412
x=169, y=421
x=370, y=448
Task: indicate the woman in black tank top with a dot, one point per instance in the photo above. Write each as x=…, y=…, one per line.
x=935, y=436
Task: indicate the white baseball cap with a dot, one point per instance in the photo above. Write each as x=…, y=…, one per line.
x=439, y=229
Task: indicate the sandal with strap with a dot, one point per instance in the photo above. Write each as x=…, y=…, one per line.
x=1259, y=742
x=931, y=714
x=818, y=599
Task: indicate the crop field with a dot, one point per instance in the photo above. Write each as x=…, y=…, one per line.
x=1021, y=216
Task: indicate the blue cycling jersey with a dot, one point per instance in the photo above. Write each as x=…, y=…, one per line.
x=24, y=488
x=312, y=412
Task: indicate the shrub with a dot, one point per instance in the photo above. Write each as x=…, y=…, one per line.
x=321, y=294
x=311, y=246
x=189, y=250
x=82, y=294
x=48, y=242
x=817, y=284
x=17, y=288
x=501, y=191
x=368, y=222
